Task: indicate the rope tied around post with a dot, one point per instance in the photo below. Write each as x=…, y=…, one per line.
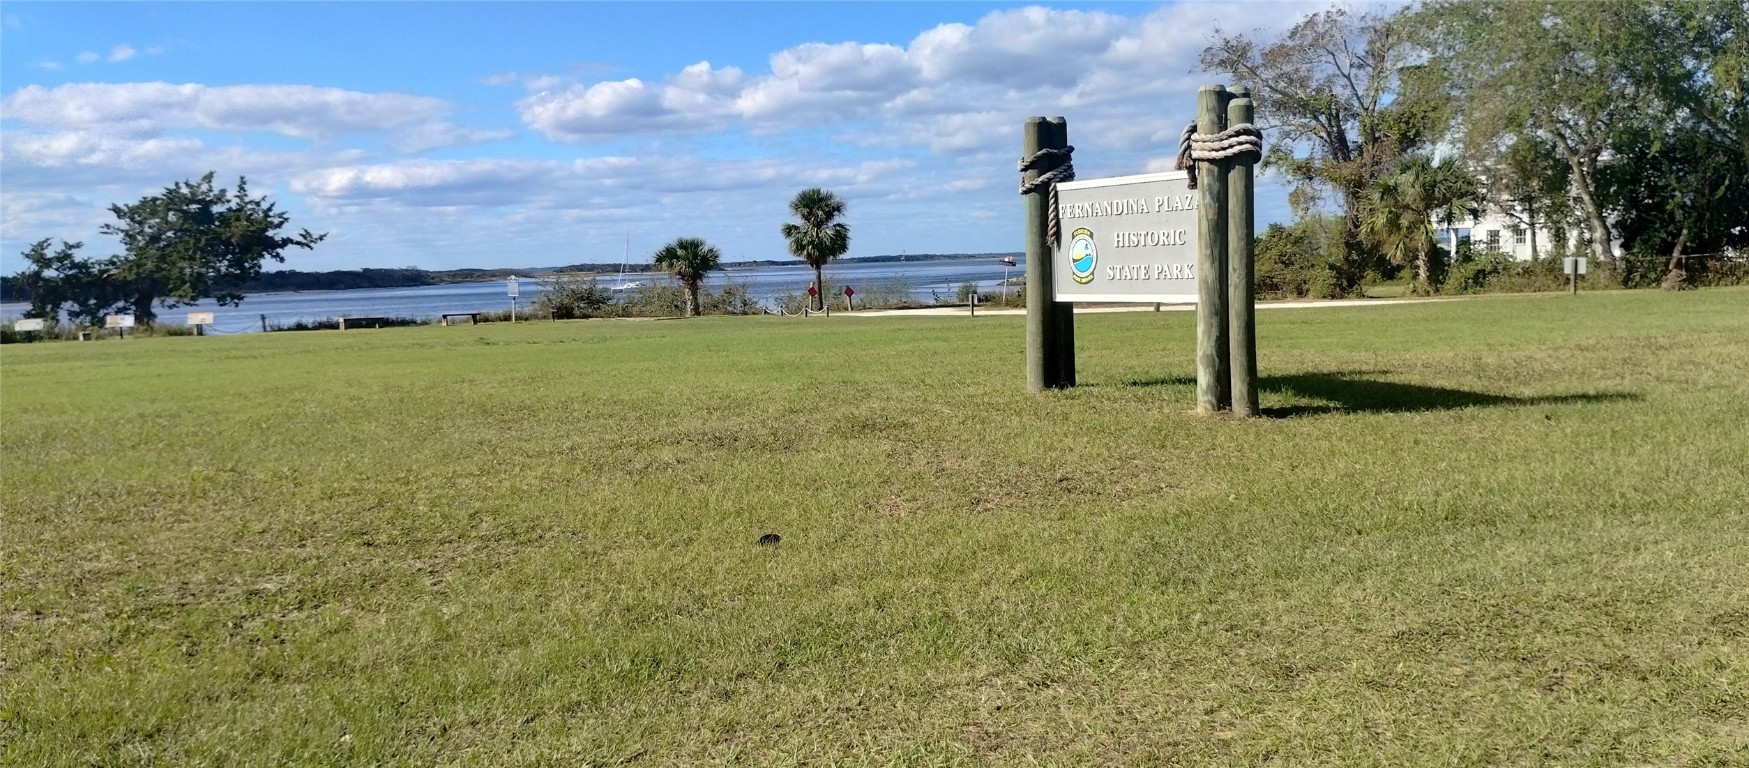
x=1243, y=141
x=1064, y=172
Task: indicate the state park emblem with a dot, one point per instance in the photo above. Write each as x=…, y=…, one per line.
x=1082, y=255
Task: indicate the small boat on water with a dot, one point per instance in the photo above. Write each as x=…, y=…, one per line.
x=624, y=258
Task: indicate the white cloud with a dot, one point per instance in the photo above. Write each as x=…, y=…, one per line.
x=302, y=111
x=48, y=64
x=591, y=182
x=440, y=134
x=121, y=52
x=952, y=88
x=87, y=57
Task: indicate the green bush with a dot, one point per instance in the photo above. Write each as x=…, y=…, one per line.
x=735, y=298
x=1293, y=261
x=572, y=296
x=663, y=298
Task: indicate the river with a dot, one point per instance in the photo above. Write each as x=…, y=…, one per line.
x=924, y=279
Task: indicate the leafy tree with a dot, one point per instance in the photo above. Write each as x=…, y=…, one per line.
x=1683, y=194
x=1695, y=56
x=1343, y=99
x=1566, y=75
x=59, y=279
x=1401, y=208
x=690, y=259
x=820, y=237
x=192, y=241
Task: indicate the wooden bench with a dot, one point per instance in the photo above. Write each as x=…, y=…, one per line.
x=362, y=322
x=473, y=317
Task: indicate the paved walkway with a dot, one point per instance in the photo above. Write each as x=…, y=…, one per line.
x=956, y=310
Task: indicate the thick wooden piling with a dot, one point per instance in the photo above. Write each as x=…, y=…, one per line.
x=1213, y=386
x=1044, y=359
x=1241, y=267
x=1063, y=313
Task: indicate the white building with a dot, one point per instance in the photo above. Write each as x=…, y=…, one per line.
x=1494, y=231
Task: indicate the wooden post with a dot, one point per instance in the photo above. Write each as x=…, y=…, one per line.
x=1212, y=378
x=264, y=323
x=1042, y=367
x=1241, y=285
x=1063, y=313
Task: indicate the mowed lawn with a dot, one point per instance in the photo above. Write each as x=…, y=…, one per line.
x=1496, y=531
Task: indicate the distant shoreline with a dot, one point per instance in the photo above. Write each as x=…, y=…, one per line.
x=293, y=281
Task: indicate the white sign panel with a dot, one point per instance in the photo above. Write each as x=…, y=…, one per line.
x=1575, y=265
x=28, y=324
x=200, y=318
x=513, y=287
x=1127, y=239
x=118, y=321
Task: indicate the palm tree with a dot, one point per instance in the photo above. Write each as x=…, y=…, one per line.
x=690, y=259
x=1400, y=210
x=820, y=237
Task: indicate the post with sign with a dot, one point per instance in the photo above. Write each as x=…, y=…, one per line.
x=1574, y=266
x=199, y=321
x=120, y=323
x=1159, y=238
x=513, y=289
x=1046, y=367
x=29, y=325
x=849, y=296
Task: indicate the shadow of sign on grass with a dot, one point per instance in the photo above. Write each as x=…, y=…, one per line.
x=1355, y=392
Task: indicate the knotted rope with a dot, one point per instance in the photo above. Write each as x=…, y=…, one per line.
x=1064, y=172
x=1243, y=140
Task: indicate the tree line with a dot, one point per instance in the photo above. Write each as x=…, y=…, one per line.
x=1607, y=121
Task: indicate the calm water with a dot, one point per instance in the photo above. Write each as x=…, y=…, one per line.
x=925, y=279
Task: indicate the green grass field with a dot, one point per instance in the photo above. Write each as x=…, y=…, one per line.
x=1499, y=531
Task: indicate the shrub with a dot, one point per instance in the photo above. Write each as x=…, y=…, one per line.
x=734, y=298
x=573, y=296
x=1293, y=261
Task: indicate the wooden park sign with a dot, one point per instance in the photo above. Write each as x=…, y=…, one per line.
x=1127, y=239
x=1182, y=237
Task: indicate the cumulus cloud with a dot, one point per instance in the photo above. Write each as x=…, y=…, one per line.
x=302, y=111
x=947, y=89
x=121, y=52
x=87, y=57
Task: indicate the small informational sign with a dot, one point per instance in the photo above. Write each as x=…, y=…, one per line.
x=1127, y=239
x=200, y=318
x=28, y=324
x=512, y=287
x=849, y=291
x=118, y=321
x=1575, y=265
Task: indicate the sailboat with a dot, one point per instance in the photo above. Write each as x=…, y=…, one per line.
x=623, y=259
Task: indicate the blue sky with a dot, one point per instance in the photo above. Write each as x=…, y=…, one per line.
x=451, y=135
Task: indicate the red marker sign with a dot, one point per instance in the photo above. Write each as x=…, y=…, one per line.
x=849, y=291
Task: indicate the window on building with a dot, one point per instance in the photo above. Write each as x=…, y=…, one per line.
x=1518, y=235
x=1493, y=239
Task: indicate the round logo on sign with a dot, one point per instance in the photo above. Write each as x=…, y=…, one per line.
x=1082, y=255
